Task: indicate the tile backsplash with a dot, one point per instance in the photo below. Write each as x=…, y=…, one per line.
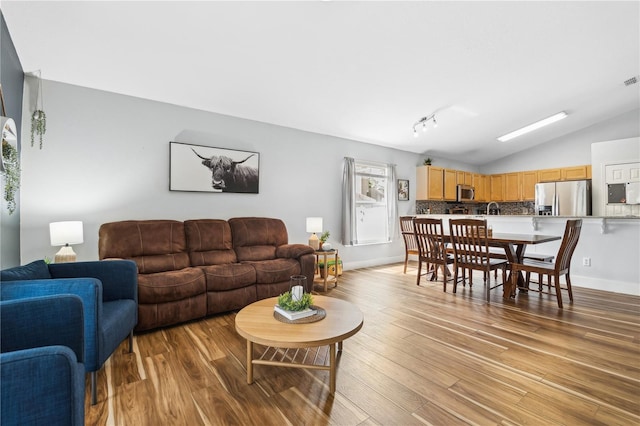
x=443, y=207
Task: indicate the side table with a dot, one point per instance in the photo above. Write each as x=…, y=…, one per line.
x=326, y=254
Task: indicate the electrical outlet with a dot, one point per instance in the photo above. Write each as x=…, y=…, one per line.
x=586, y=261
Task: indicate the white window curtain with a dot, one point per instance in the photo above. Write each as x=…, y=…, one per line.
x=349, y=202
x=392, y=205
x=361, y=201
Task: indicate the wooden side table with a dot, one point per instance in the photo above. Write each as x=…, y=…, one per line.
x=326, y=254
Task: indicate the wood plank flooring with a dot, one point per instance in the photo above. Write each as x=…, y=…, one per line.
x=422, y=357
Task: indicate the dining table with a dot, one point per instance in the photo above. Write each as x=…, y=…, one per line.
x=515, y=246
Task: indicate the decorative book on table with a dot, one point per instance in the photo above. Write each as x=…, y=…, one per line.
x=294, y=315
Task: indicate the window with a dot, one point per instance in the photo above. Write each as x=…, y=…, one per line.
x=370, y=205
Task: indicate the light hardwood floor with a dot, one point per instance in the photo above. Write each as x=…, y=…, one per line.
x=422, y=357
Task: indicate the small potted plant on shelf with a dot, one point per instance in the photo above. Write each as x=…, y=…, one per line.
x=427, y=162
x=323, y=239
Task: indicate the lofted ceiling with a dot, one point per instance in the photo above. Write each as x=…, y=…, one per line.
x=365, y=71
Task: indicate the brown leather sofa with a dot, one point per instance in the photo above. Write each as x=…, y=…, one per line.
x=191, y=269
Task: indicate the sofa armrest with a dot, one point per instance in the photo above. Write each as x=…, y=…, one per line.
x=88, y=289
x=293, y=251
x=119, y=277
x=42, y=321
x=42, y=386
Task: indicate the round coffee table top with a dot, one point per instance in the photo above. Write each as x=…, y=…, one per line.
x=256, y=323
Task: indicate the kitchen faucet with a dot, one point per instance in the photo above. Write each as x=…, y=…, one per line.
x=489, y=207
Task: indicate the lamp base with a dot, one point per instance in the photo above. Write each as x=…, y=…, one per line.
x=314, y=242
x=66, y=254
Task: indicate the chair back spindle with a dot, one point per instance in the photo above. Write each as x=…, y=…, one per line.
x=408, y=235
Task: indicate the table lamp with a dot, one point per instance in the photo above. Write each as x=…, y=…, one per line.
x=64, y=234
x=314, y=224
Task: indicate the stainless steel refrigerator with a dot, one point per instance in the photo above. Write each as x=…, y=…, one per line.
x=568, y=198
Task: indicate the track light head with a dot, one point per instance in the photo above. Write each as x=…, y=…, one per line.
x=423, y=121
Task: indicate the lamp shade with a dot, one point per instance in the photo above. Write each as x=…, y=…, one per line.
x=63, y=233
x=314, y=224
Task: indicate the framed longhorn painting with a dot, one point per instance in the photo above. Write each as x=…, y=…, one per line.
x=208, y=169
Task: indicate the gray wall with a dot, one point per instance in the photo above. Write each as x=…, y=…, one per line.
x=11, y=78
x=106, y=158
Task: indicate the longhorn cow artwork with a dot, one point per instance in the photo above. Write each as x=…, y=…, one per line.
x=200, y=168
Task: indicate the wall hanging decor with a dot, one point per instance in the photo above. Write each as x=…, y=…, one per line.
x=208, y=169
x=10, y=162
x=38, y=118
x=403, y=190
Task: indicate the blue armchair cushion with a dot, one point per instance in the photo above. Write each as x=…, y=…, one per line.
x=37, y=270
x=109, y=317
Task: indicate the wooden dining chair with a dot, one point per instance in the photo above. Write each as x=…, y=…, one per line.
x=410, y=244
x=432, y=250
x=471, y=251
x=562, y=265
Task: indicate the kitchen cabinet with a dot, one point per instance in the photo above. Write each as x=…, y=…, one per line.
x=529, y=180
x=464, y=178
x=478, y=182
x=429, y=183
x=497, y=187
x=512, y=187
x=575, y=173
x=549, y=175
x=437, y=183
x=450, y=183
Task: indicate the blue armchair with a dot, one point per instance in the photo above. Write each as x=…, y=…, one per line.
x=41, y=361
x=109, y=293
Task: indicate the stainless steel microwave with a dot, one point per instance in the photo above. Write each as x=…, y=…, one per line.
x=466, y=193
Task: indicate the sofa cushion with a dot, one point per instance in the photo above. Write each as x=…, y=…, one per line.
x=276, y=270
x=209, y=242
x=228, y=277
x=37, y=270
x=155, y=245
x=170, y=286
x=256, y=238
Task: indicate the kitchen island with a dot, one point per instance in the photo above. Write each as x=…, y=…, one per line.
x=607, y=256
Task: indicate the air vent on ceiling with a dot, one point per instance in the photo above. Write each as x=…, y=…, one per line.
x=632, y=80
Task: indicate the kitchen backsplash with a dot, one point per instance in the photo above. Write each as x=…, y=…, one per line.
x=444, y=207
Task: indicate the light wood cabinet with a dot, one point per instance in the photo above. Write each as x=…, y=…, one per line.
x=478, y=182
x=549, y=175
x=529, y=180
x=464, y=178
x=512, y=187
x=450, y=182
x=437, y=183
x=497, y=187
x=575, y=173
x=429, y=183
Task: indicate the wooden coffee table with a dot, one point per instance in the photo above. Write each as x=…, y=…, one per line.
x=257, y=324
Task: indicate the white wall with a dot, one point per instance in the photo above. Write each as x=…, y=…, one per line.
x=106, y=158
x=570, y=150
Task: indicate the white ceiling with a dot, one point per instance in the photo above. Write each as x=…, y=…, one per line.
x=365, y=71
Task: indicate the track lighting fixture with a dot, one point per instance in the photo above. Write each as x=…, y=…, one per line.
x=424, y=121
